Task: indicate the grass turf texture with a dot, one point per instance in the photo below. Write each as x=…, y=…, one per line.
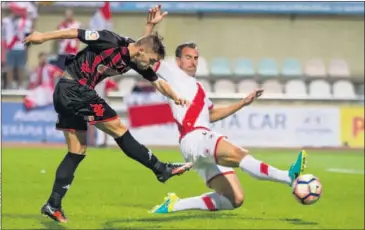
x=110, y=191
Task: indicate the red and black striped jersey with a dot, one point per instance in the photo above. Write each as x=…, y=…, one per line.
x=106, y=55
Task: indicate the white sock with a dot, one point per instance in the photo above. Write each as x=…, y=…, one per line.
x=262, y=171
x=210, y=201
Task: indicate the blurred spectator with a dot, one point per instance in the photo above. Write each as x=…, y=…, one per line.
x=33, y=13
x=42, y=83
x=101, y=20
x=66, y=46
x=44, y=73
x=3, y=51
x=15, y=28
x=3, y=55
x=30, y=8
x=143, y=87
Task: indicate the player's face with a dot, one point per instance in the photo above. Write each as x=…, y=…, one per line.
x=188, y=61
x=145, y=59
x=68, y=15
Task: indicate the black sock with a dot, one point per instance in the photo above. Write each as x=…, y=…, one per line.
x=64, y=178
x=140, y=153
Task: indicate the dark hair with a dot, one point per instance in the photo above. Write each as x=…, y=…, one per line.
x=179, y=49
x=155, y=42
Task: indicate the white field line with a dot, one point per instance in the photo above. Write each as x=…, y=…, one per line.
x=348, y=171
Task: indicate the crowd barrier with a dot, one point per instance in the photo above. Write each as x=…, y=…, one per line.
x=254, y=126
x=346, y=8
x=349, y=8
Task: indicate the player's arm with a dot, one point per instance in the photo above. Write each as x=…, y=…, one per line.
x=160, y=84
x=99, y=39
x=39, y=38
x=153, y=18
x=164, y=87
x=217, y=114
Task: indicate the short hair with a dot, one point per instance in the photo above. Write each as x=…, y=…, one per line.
x=155, y=41
x=178, y=51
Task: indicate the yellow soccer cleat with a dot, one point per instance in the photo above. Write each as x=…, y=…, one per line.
x=168, y=204
x=298, y=167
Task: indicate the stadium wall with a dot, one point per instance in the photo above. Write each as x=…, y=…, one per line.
x=259, y=36
x=256, y=126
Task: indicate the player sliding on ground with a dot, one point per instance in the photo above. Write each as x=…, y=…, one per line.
x=212, y=154
x=77, y=103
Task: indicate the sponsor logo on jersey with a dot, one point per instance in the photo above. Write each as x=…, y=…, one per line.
x=91, y=35
x=105, y=70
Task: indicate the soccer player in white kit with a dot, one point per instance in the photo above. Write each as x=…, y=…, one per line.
x=212, y=154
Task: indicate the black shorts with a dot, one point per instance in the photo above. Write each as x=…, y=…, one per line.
x=77, y=104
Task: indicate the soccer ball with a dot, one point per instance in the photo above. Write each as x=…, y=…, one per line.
x=307, y=189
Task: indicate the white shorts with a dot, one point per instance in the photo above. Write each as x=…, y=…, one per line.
x=199, y=147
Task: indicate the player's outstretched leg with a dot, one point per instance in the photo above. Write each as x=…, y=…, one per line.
x=228, y=195
x=209, y=202
x=65, y=174
x=133, y=149
x=232, y=156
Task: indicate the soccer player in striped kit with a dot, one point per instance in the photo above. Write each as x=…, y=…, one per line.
x=75, y=100
x=212, y=154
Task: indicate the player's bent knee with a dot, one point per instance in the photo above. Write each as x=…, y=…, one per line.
x=76, y=142
x=233, y=157
x=238, y=200
x=114, y=128
x=83, y=149
x=229, y=154
x=229, y=187
x=238, y=153
x=77, y=149
x=120, y=130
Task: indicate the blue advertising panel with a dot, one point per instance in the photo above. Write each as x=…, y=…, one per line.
x=35, y=126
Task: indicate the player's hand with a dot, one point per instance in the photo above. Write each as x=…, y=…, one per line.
x=155, y=15
x=182, y=102
x=34, y=38
x=252, y=96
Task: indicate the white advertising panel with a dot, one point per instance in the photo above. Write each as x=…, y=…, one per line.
x=262, y=126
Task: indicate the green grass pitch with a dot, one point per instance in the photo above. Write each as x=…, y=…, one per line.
x=110, y=191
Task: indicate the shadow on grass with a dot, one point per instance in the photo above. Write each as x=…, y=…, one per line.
x=159, y=219
x=299, y=221
x=45, y=221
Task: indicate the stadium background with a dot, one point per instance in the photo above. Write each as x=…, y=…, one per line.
x=114, y=192
x=317, y=46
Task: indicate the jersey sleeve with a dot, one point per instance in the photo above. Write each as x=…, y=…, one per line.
x=101, y=39
x=168, y=72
